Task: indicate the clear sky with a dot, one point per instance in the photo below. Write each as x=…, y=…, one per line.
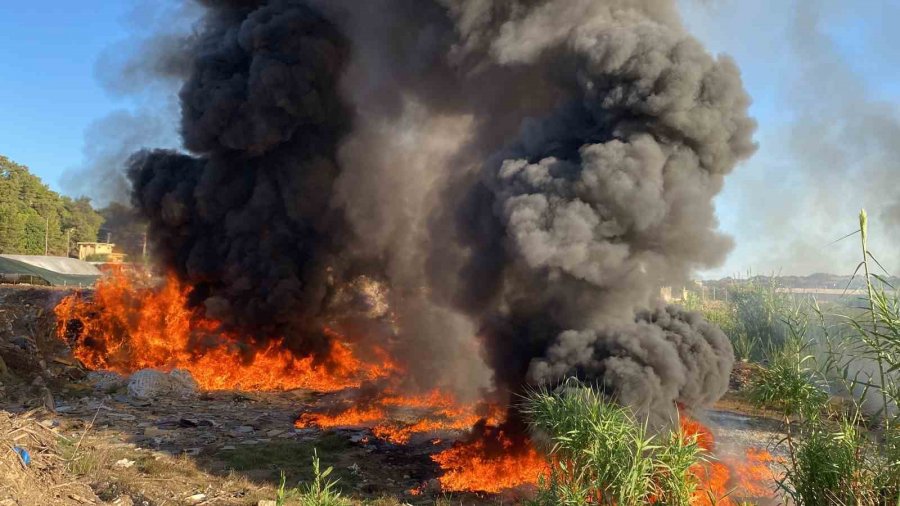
x=821, y=73
x=48, y=90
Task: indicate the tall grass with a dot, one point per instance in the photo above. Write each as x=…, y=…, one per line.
x=751, y=318
x=855, y=459
x=759, y=310
x=791, y=382
x=599, y=453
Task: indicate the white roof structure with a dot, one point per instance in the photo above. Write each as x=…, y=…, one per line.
x=60, y=265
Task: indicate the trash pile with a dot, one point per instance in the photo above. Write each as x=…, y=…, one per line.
x=152, y=384
x=31, y=357
x=32, y=469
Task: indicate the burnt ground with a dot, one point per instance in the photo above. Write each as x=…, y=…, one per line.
x=97, y=445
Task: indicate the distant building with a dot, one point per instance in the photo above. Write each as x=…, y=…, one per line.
x=99, y=252
x=665, y=293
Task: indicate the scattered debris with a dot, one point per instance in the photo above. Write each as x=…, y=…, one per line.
x=196, y=498
x=148, y=384
x=124, y=463
x=23, y=454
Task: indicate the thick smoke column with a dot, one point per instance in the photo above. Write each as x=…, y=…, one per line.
x=603, y=198
x=521, y=174
x=248, y=223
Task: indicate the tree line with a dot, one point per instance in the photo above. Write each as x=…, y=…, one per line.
x=35, y=220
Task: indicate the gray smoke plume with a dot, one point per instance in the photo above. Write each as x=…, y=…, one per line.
x=832, y=120
x=522, y=174
x=146, y=68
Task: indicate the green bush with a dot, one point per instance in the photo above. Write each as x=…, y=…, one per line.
x=840, y=466
x=855, y=461
x=791, y=381
x=599, y=453
x=320, y=492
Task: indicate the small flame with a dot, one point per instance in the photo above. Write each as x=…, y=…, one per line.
x=435, y=410
x=754, y=474
x=490, y=464
x=354, y=417
x=727, y=478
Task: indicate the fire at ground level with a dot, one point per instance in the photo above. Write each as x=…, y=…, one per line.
x=410, y=447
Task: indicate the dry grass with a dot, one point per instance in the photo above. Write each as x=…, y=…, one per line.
x=161, y=478
x=70, y=471
x=45, y=480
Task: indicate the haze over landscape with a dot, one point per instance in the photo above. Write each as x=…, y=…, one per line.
x=824, y=150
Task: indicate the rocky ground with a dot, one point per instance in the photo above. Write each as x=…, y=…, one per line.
x=90, y=442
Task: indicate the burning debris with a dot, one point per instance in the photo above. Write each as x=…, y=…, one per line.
x=723, y=481
x=570, y=152
x=442, y=201
x=124, y=327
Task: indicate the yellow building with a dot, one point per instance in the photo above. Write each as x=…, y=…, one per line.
x=98, y=250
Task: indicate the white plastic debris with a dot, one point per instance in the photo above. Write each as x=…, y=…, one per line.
x=105, y=381
x=152, y=384
x=124, y=463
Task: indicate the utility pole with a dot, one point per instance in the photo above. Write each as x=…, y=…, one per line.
x=47, y=237
x=108, y=237
x=69, y=242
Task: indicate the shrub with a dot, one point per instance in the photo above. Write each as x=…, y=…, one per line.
x=843, y=463
x=320, y=492
x=599, y=453
x=791, y=381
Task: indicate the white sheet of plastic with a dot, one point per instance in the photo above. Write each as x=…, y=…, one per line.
x=152, y=384
x=62, y=265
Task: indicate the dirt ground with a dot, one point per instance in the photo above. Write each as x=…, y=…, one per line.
x=90, y=443
x=97, y=445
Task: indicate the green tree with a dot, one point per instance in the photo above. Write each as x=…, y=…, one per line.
x=82, y=220
x=35, y=219
x=12, y=228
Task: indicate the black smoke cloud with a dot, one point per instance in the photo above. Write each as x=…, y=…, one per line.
x=522, y=175
x=248, y=221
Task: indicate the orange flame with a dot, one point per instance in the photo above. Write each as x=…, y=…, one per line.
x=479, y=467
x=435, y=410
x=353, y=417
x=724, y=480
x=754, y=474
x=127, y=327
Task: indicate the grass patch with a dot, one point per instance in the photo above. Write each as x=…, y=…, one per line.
x=320, y=491
x=599, y=453
x=83, y=460
x=285, y=456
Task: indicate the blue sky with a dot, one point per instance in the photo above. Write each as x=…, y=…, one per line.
x=48, y=90
x=819, y=72
x=53, y=102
